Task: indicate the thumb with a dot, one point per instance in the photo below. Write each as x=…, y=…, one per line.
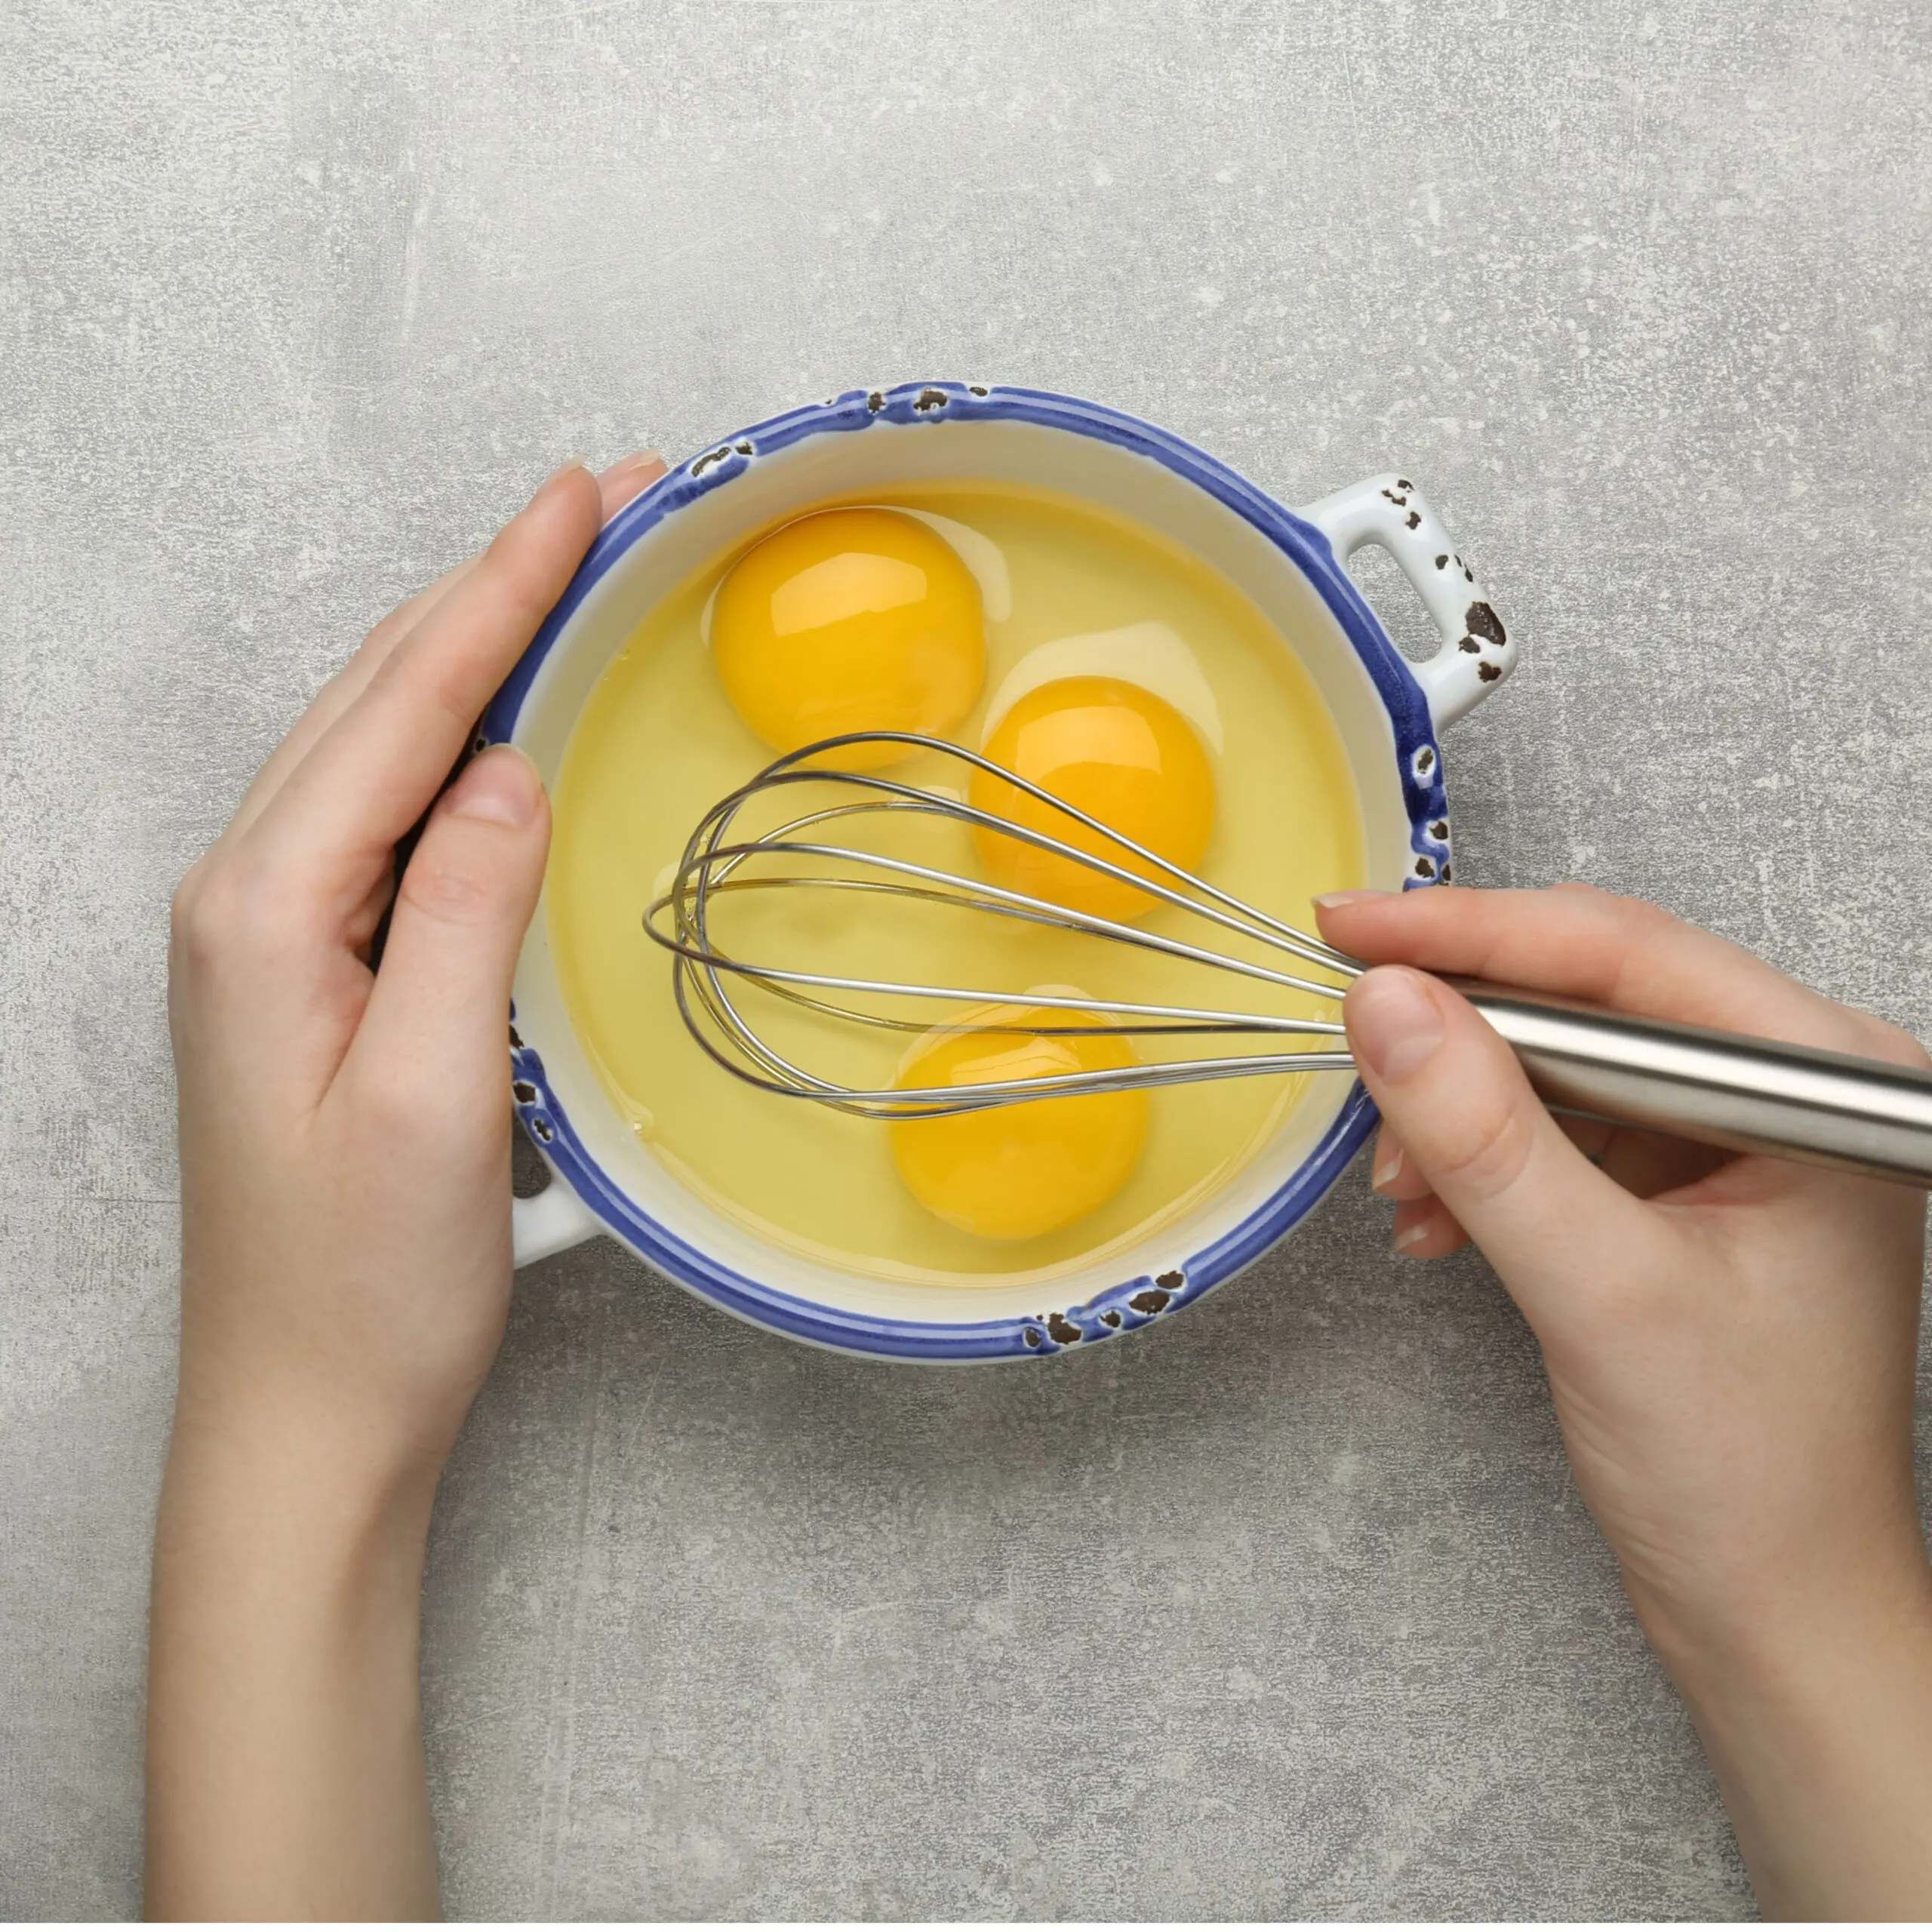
x=1453, y=1094
x=435, y=1018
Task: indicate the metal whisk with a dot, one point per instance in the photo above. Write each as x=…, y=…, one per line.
x=1725, y=1090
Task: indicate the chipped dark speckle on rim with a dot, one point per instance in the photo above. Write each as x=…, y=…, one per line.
x=1387, y=711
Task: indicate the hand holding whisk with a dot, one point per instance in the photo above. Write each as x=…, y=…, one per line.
x=1725, y=1090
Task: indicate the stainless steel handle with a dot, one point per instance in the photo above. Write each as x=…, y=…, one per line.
x=1726, y=1090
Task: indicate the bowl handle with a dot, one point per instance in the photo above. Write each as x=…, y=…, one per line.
x=1476, y=654
x=546, y=1223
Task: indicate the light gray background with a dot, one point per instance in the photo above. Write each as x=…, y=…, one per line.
x=1287, y=1608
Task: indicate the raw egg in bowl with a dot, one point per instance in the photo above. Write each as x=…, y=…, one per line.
x=1088, y=603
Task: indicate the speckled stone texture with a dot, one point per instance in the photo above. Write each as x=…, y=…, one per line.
x=1288, y=1608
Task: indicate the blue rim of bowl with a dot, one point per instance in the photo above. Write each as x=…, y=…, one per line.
x=1129, y=1305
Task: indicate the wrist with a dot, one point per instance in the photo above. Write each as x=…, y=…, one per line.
x=318, y=1389
x=1814, y=1716
x=1753, y=1633
x=323, y=1486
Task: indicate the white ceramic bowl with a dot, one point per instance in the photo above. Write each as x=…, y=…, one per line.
x=1386, y=710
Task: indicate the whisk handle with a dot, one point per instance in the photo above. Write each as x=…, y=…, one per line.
x=1724, y=1089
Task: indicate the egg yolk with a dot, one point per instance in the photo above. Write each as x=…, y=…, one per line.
x=1010, y=1173
x=1119, y=754
x=850, y=620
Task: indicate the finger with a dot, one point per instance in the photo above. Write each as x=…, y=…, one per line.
x=1395, y=1177
x=628, y=477
x=1617, y=952
x=434, y=1021
x=376, y=767
x=335, y=697
x=1454, y=1094
x=1426, y=1231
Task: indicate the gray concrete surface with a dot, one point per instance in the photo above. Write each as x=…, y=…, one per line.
x=1289, y=1608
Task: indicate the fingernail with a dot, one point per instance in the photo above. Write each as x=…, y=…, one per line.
x=626, y=466
x=1326, y=899
x=1414, y=1236
x=563, y=468
x=502, y=786
x=1389, y=1172
x=1394, y=1024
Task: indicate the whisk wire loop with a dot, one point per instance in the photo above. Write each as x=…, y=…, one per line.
x=717, y=866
